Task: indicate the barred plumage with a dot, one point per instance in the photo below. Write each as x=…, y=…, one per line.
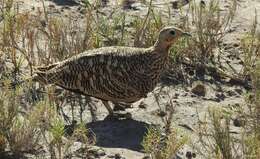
x=117, y=74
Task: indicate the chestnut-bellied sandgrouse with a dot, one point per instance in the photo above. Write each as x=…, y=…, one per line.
x=116, y=74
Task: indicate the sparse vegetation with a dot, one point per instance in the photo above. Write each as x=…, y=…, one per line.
x=219, y=141
x=216, y=138
x=208, y=24
x=160, y=146
x=30, y=119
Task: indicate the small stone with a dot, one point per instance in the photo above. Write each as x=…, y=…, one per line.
x=193, y=95
x=118, y=156
x=231, y=93
x=161, y=113
x=101, y=152
x=237, y=104
x=146, y=157
x=66, y=7
x=51, y=6
x=236, y=44
x=199, y=89
x=239, y=91
x=143, y=105
x=191, y=73
x=220, y=96
x=110, y=156
x=96, y=151
x=83, y=11
x=238, y=122
x=190, y=155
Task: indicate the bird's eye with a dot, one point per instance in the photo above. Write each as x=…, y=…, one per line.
x=172, y=32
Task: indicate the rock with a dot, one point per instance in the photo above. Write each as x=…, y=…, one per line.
x=96, y=151
x=101, y=152
x=186, y=127
x=51, y=6
x=236, y=44
x=238, y=122
x=191, y=73
x=231, y=93
x=118, y=156
x=65, y=8
x=193, y=95
x=127, y=4
x=239, y=90
x=179, y=3
x=220, y=96
x=199, y=89
x=146, y=157
x=43, y=22
x=190, y=155
x=142, y=105
x=161, y=113
x=83, y=11
x=110, y=156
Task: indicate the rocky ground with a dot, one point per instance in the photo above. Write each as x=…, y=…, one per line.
x=191, y=102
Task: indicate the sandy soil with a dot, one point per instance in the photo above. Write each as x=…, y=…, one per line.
x=124, y=136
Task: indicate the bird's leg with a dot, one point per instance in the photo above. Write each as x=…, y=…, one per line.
x=92, y=108
x=109, y=109
x=115, y=115
x=121, y=106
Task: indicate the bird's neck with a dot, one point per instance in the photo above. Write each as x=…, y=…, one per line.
x=159, y=57
x=161, y=48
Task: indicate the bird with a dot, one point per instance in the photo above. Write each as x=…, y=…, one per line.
x=113, y=73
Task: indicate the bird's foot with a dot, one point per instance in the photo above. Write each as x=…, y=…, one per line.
x=119, y=116
x=121, y=106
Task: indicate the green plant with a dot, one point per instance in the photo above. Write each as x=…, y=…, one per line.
x=163, y=147
x=208, y=25
x=251, y=140
x=215, y=139
x=166, y=146
x=146, y=27
x=16, y=130
x=250, y=45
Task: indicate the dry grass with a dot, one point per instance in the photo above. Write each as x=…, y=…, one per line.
x=216, y=138
x=28, y=40
x=250, y=47
x=165, y=142
x=208, y=24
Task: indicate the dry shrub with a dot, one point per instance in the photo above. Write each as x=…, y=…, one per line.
x=159, y=146
x=251, y=138
x=147, y=28
x=208, y=24
x=215, y=138
x=250, y=46
x=164, y=143
x=18, y=133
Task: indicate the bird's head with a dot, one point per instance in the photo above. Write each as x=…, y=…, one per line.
x=169, y=35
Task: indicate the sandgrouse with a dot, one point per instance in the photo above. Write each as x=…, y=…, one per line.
x=116, y=74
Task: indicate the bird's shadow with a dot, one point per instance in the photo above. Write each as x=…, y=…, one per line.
x=127, y=133
x=65, y=2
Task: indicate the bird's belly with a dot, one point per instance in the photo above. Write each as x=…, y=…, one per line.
x=127, y=98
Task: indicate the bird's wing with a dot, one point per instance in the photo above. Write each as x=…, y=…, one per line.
x=102, y=73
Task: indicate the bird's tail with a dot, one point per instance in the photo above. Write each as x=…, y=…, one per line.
x=41, y=74
x=45, y=74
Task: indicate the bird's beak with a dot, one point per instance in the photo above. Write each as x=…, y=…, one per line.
x=186, y=34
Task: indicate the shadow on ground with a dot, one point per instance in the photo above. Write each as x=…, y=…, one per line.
x=126, y=133
x=65, y=2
